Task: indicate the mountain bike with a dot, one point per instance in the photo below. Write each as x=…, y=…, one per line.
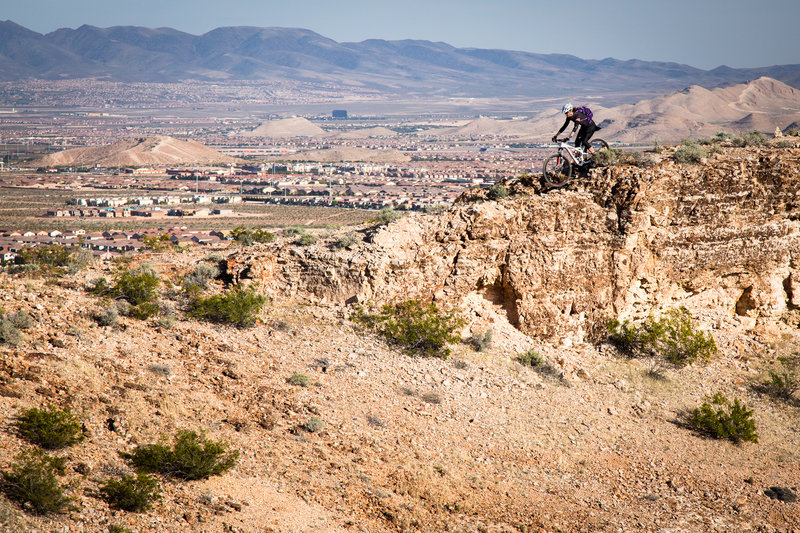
x=558, y=168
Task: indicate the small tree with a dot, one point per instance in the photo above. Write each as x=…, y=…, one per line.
x=720, y=418
x=51, y=428
x=131, y=493
x=192, y=456
x=32, y=482
x=418, y=327
x=238, y=307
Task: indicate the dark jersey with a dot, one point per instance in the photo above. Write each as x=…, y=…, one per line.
x=579, y=118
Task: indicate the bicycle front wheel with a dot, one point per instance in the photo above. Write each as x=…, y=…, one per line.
x=557, y=170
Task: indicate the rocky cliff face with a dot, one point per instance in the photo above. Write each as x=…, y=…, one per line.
x=721, y=239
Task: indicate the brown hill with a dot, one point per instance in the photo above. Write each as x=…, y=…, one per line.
x=157, y=151
x=349, y=154
x=763, y=104
x=287, y=128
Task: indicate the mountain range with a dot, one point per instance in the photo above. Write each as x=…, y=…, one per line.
x=139, y=54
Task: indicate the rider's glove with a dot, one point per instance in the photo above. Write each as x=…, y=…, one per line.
x=555, y=138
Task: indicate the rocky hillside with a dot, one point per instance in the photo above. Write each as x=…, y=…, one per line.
x=588, y=440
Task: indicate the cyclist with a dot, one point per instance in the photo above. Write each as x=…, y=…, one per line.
x=581, y=116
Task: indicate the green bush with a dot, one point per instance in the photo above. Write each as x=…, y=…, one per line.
x=387, y=215
x=32, y=482
x=51, y=428
x=606, y=157
x=238, y=307
x=720, y=418
x=249, y=236
x=689, y=152
x=535, y=360
x=191, y=457
x=131, y=493
x=418, y=327
x=314, y=424
x=299, y=379
x=137, y=286
x=306, y=239
x=482, y=341
x=9, y=334
x=751, y=138
x=672, y=336
x=498, y=191
x=784, y=382
x=20, y=320
x=346, y=241
x=158, y=243
x=198, y=279
x=54, y=255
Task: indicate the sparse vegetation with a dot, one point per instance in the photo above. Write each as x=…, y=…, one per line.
x=345, y=241
x=784, y=382
x=482, y=341
x=498, y=191
x=51, y=428
x=198, y=279
x=131, y=493
x=720, y=418
x=751, y=138
x=33, y=483
x=386, y=216
x=690, y=151
x=536, y=361
x=238, y=307
x=249, y=236
x=158, y=243
x=299, y=379
x=673, y=337
x=314, y=424
x=420, y=328
x=192, y=456
x=9, y=334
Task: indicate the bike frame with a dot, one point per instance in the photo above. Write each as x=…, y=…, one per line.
x=574, y=153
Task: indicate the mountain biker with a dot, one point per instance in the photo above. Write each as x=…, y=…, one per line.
x=582, y=117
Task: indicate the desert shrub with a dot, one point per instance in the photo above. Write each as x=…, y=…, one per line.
x=248, y=236
x=672, y=336
x=785, y=381
x=536, y=361
x=33, y=483
x=793, y=132
x=54, y=255
x=166, y=317
x=137, y=286
x=346, y=241
x=722, y=136
x=498, y=191
x=114, y=528
x=191, y=457
x=158, y=243
x=751, y=138
x=108, y=316
x=720, y=418
x=605, y=157
x=144, y=310
x=784, y=143
x=418, y=327
x=20, y=320
x=51, y=428
x=131, y=493
x=689, y=151
x=238, y=307
x=299, y=379
x=639, y=159
x=482, y=341
x=99, y=287
x=306, y=239
x=199, y=277
x=8, y=333
x=314, y=424
x=387, y=215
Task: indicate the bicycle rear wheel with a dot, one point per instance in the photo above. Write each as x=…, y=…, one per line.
x=598, y=144
x=557, y=170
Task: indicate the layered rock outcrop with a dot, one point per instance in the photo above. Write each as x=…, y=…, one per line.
x=722, y=239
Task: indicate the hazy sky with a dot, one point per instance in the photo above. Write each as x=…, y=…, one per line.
x=701, y=33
